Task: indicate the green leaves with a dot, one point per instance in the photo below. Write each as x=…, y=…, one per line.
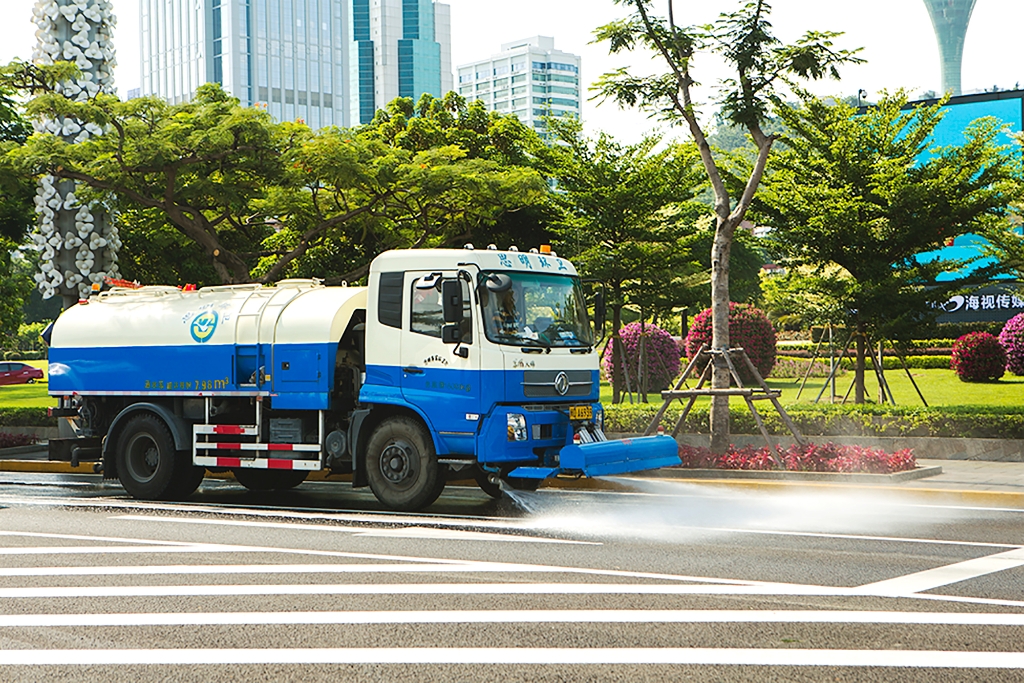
x=254, y=198
x=855, y=199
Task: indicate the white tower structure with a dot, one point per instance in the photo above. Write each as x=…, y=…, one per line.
x=528, y=78
x=78, y=244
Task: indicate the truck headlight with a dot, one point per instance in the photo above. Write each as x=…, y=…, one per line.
x=517, y=427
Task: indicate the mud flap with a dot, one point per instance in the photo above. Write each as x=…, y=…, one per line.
x=604, y=458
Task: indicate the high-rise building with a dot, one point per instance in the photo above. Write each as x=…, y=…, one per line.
x=400, y=48
x=528, y=78
x=287, y=55
x=950, y=19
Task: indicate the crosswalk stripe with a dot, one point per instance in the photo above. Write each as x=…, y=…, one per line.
x=415, y=589
x=929, y=659
x=596, y=616
x=943, y=576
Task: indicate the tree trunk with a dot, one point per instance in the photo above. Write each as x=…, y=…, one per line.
x=720, y=377
x=858, y=395
x=618, y=357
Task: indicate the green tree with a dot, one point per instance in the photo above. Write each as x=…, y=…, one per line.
x=16, y=214
x=264, y=200
x=761, y=64
x=612, y=201
x=859, y=198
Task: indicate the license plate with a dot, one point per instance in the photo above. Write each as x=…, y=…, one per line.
x=581, y=412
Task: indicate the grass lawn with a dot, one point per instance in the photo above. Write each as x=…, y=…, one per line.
x=940, y=388
x=28, y=395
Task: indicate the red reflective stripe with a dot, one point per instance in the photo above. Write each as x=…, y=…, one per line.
x=228, y=429
x=279, y=447
x=229, y=446
x=229, y=462
x=273, y=464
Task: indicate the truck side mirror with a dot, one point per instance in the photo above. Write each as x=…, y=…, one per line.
x=451, y=334
x=451, y=301
x=599, y=310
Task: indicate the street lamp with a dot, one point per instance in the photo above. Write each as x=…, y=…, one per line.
x=861, y=95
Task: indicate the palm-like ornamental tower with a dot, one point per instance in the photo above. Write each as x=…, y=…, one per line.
x=950, y=19
x=77, y=242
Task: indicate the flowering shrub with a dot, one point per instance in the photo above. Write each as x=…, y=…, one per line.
x=660, y=351
x=1012, y=341
x=978, y=357
x=828, y=457
x=749, y=328
x=12, y=440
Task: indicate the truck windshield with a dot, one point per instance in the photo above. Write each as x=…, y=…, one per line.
x=537, y=310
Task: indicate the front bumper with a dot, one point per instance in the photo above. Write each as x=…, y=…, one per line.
x=605, y=458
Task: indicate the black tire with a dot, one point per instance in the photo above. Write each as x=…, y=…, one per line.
x=483, y=480
x=401, y=466
x=148, y=466
x=269, y=480
x=30, y=380
x=188, y=477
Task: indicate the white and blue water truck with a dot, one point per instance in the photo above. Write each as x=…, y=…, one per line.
x=451, y=363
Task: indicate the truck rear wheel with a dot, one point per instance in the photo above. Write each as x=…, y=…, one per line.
x=149, y=467
x=401, y=465
x=269, y=480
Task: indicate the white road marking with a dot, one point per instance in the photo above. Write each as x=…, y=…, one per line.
x=416, y=589
x=929, y=659
x=401, y=532
x=929, y=579
x=119, y=549
x=91, y=539
x=516, y=525
x=513, y=617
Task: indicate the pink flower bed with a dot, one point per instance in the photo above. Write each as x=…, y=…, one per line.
x=12, y=440
x=827, y=457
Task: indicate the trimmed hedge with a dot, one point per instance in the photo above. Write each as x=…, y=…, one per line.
x=25, y=417
x=920, y=345
x=890, y=362
x=837, y=420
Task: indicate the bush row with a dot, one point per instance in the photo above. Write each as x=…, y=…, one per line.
x=25, y=417
x=889, y=363
x=918, y=345
x=25, y=355
x=828, y=457
x=838, y=420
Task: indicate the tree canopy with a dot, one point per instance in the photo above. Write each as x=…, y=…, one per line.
x=859, y=198
x=265, y=200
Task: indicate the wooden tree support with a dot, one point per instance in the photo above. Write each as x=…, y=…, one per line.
x=749, y=394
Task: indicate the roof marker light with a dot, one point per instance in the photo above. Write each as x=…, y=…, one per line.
x=513, y=248
x=545, y=248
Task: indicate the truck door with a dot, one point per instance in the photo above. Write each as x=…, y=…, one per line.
x=444, y=386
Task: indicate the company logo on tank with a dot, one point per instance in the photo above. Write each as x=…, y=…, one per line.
x=203, y=326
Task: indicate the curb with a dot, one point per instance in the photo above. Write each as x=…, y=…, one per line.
x=1003, y=499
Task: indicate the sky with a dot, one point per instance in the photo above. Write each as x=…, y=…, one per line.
x=896, y=36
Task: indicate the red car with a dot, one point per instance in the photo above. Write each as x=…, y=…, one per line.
x=19, y=373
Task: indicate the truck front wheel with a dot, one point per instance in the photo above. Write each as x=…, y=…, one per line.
x=401, y=466
x=149, y=467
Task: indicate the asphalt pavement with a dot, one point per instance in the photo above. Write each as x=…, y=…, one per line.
x=656, y=580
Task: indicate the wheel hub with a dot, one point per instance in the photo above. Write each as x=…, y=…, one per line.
x=396, y=462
